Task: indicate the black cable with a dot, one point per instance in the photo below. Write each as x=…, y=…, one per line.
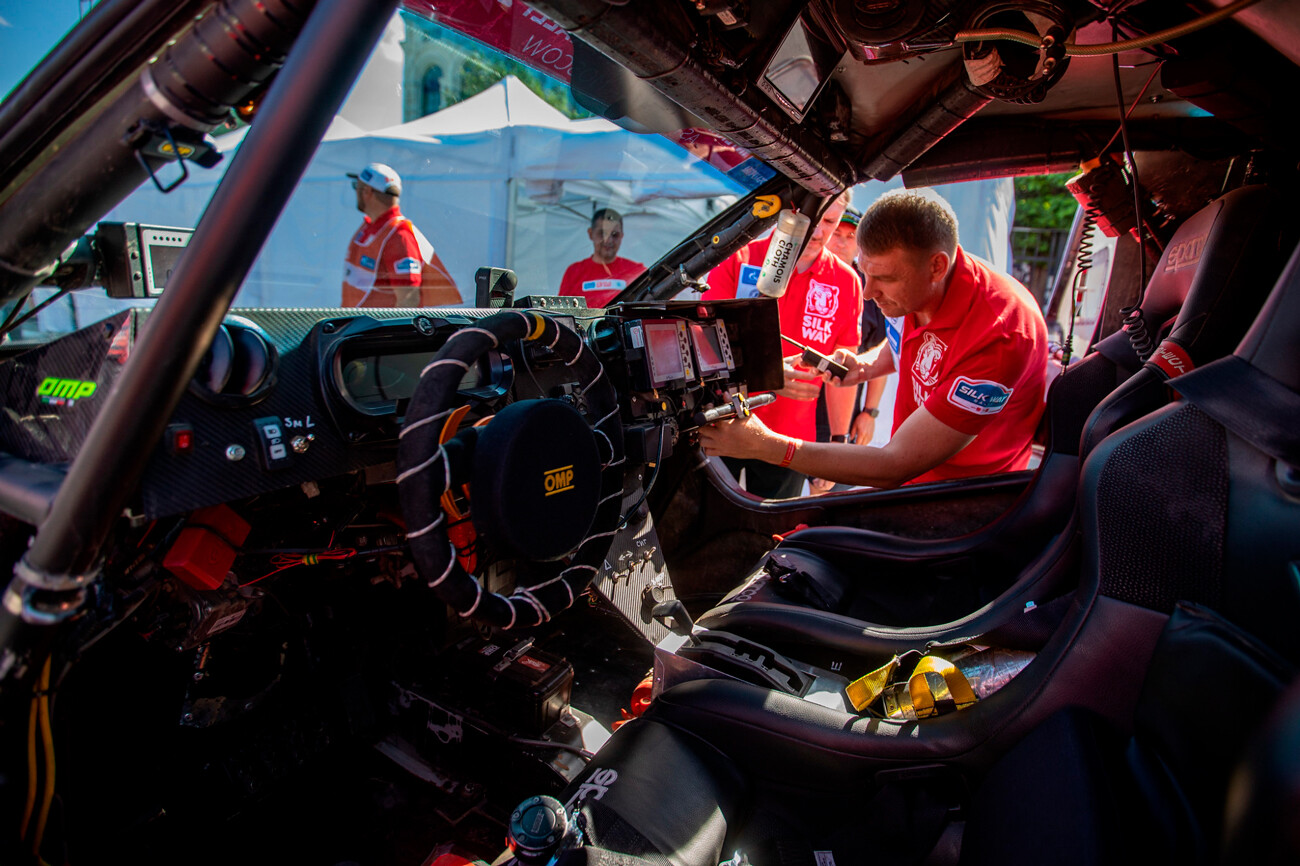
x=11, y=324
x=654, y=476
x=1134, y=323
x=13, y=314
x=1083, y=264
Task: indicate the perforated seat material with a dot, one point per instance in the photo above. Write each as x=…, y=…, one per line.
x=1161, y=506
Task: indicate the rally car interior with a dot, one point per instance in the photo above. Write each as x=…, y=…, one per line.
x=333, y=585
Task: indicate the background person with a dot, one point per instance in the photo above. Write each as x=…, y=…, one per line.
x=389, y=262
x=603, y=274
x=822, y=308
x=973, y=358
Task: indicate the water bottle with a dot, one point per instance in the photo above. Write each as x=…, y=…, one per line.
x=778, y=266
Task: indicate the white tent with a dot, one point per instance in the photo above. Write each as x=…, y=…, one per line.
x=501, y=179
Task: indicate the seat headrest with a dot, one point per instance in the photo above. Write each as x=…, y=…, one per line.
x=1272, y=345
x=1202, y=264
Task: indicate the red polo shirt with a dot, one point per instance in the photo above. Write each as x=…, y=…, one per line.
x=822, y=308
x=598, y=283
x=979, y=366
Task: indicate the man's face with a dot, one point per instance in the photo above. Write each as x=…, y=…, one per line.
x=360, y=189
x=843, y=242
x=606, y=238
x=821, y=233
x=903, y=281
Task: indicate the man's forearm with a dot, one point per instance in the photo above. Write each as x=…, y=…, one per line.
x=841, y=402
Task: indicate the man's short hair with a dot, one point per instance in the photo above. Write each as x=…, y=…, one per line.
x=606, y=213
x=910, y=219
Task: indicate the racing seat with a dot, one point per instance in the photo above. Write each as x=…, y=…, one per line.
x=1144, y=693
x=867, y=576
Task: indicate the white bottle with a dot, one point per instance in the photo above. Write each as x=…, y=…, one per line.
x=778, y=265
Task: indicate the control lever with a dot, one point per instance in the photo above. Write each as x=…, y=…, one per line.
x=738, y=407
x=672, y=615
x=817, y=361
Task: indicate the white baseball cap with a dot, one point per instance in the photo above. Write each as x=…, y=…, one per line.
x=380, y=177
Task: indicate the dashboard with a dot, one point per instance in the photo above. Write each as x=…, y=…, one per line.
x=288, y=397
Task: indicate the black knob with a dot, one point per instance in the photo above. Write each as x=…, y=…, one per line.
x=538, y=827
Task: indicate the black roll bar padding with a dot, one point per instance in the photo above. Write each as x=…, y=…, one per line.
x=333, y=47
x=192, y=85
x=81, y=70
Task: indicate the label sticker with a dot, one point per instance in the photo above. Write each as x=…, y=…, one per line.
x=979, y=396
x=1172, y=359
x=747, y=285
x=536, y=664
x=766, y=205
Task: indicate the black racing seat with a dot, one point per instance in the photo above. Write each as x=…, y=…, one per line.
x=1142, y=695
x=871, y=577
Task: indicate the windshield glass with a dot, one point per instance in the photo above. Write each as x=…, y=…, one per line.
x=464, y=109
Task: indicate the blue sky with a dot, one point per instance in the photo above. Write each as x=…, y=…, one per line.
x=28, y=30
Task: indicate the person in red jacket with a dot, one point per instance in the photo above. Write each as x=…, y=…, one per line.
x=389, y=262
x=972, y=361
x=821, y=308
x=602, y=275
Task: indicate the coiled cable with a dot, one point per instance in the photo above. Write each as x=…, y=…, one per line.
x=1082, y=264
x=1133, y=323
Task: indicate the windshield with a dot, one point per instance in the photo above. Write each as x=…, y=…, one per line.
x=466, y=108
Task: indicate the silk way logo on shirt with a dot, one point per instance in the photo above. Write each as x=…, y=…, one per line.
x=929, y=359
x=747, y=285
x=979, y=396
x=407, y=266
x=367, y=263
x=604, y=285
x=819, y=311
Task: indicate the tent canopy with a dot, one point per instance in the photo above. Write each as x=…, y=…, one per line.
x=502, y=179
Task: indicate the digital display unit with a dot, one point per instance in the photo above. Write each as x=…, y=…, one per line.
x=667, y=352
x=139, y=259
x=375, y=381
x=712, y=349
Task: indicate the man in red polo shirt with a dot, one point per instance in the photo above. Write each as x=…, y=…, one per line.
x=972, y=361
x=602, y=275
x=389, y=262
x=822, y=308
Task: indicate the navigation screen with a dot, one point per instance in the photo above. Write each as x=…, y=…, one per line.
x=664, y=352
x=708, y=350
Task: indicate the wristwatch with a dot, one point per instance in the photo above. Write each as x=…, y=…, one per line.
x=874, y=413
x=839, y=437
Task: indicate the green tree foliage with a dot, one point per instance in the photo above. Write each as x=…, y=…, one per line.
x=1043, y=202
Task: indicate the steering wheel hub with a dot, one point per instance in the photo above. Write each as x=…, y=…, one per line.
x=536, y=479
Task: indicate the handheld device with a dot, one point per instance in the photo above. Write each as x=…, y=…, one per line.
x=817, y=361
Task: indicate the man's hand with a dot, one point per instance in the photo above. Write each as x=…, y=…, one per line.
x=856, y=368
x=798, y=384
x=820, y=485
x=745, y=438
x=863, y=429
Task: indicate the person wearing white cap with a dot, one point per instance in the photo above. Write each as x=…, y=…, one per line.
x=390, y=263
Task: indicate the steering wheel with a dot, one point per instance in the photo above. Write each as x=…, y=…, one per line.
x=545, y=476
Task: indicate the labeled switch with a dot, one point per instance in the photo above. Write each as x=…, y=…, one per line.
x=274, y=444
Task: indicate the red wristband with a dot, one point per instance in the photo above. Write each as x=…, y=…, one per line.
x=791, y=447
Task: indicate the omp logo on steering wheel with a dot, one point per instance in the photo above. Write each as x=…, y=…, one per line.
x=559, y=480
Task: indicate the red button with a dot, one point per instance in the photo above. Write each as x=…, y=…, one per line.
x=182, y=439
